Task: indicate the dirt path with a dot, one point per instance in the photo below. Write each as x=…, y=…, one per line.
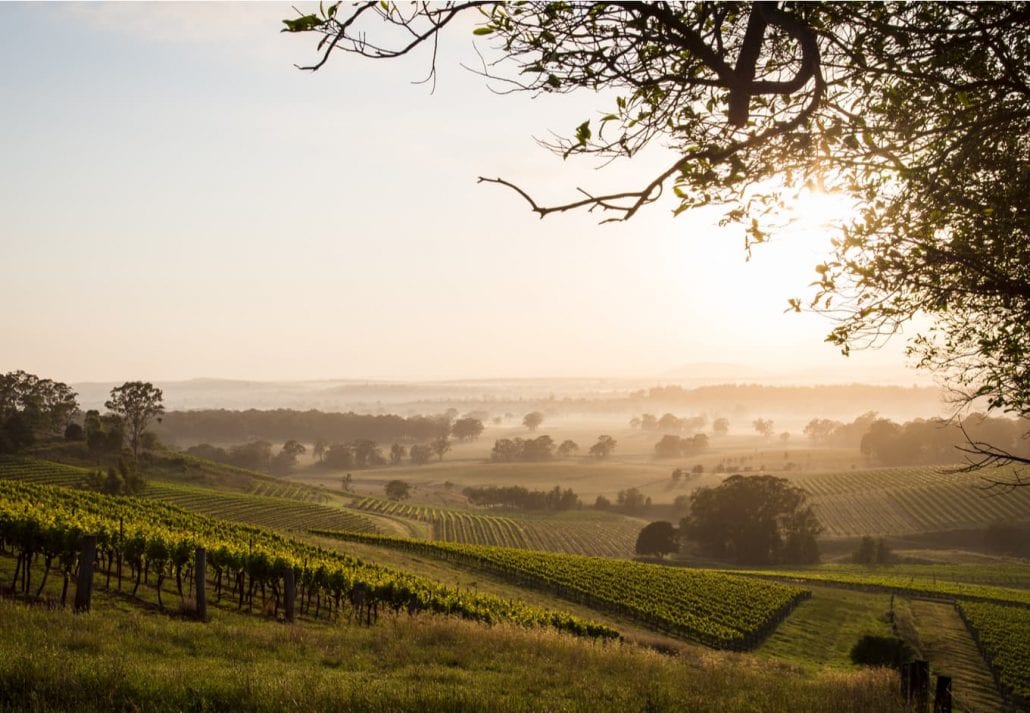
x=951, y=651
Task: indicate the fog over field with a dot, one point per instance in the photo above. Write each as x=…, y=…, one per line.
x=515, y=356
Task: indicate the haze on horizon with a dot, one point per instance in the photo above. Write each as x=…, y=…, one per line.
x=178, y=201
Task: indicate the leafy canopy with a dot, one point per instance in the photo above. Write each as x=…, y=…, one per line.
x=918, y=112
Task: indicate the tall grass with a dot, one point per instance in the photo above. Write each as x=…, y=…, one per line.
x=116, y=660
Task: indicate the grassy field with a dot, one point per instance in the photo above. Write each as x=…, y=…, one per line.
x=822, y=629
x=113, y=659
x=947, y=644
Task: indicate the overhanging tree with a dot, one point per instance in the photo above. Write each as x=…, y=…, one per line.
x=919, y=112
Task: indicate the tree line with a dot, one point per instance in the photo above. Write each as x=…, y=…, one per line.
x=520, y=498
x=754, y=520
x=541, y=448
x=279, y=425
x=920, y=441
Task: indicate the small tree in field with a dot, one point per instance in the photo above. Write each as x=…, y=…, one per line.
x=658, y=538
x=397, y=490
x=532, y=420
x=137, y=403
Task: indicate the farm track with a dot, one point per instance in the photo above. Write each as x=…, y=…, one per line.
x=951, y=651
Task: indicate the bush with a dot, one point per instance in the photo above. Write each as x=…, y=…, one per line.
x=888, y=651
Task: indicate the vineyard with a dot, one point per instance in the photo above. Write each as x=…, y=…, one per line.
x=712, y=608
x=904, y=501
x=580, y=532
x=43, y=527
x=903, y=580
x=1003, y=637
x=44, y=472
x=278, y=513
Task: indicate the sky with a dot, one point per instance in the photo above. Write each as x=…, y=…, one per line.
x=178, y=200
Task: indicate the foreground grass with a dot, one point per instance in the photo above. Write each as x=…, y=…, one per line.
x=140, y=661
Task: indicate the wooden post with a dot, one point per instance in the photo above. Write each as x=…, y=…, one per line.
x=84, y=584
x=290, y=594
x=906, y=681
x=921, y=685
x=942, y=697
x=200, y=570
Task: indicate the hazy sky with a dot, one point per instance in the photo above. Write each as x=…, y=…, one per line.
x=177, y=200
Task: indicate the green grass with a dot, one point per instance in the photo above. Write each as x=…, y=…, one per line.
x=822, y=629
x=1003, y=637
x=114, y=660
x=952, y=652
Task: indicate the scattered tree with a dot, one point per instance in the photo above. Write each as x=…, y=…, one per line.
x=285, y=460
x=467, y=429
x=137, y=403
x=720, y=427
x=657, y=538
x=397, y=453
x=764, y=427
x=567, y=448
x=872, y=551
x=420, y=454
x=532, y=420
x=757, y=519
x=440, y=446
x=318, y=450
x=631, y=501
x=604, y=447
x=397, y=490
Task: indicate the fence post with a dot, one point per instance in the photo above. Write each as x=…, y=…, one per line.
x=200, y=570
x=290, y=593
x=921, y=684
x=84, y=584
x=942, y=697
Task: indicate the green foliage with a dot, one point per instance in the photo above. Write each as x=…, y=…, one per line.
x=397, y=490
x=148, y=534
x=1003, y=636
x=31, y=407
x=887, y=651
x=916, y=112
x=137, y=403
x=604, y=447
x=532, y=420
x=705, y=606
x=658, y=538
x=758, y=519
x=872, y=551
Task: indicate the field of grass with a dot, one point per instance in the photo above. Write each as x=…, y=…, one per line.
x=116, y=660
x=822, y=629
x=948, y=646
x=586, y=532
